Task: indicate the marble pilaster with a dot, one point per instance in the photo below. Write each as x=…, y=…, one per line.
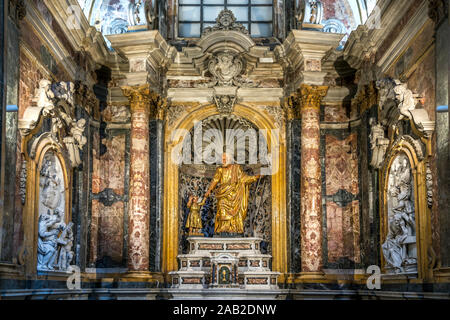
x=139, y=196
x=311, y=182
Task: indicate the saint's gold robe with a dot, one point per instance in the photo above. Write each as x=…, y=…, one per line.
x=232, y=198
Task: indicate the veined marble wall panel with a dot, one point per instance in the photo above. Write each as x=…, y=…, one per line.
x=109, y=190
x=343, y=232
x=341, y=208
x=110, y=233
x=341, y=165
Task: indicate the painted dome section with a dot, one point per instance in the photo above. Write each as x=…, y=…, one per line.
x=344, y=16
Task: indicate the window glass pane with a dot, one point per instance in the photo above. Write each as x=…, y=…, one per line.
x=189, y=14
x=237, y=1
x=213, y=1
x=241, y=13
x=262, y=1
x=261, y=29
x=205, y=25
x=261, y=13
x=189, y=1
x=189, y=30
x=211, y=13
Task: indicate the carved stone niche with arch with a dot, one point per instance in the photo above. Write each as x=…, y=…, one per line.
x=405, y=132
x=52, y=139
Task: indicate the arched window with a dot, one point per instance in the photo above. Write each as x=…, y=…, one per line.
x=195, y=15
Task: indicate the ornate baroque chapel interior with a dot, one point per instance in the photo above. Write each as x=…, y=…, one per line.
x=284, y=149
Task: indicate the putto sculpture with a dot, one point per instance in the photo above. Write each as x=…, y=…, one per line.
x=378, y=143
x=56, y=101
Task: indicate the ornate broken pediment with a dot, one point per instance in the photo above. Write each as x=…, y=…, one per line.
x=226, y=21
x=56, y=102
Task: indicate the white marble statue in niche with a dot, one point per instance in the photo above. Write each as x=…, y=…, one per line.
x=55, y=238
x=400, y=251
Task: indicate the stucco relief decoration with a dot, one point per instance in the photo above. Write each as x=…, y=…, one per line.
x=378, y=144
x=226, y=69
x=56, y=101
x=225, y=103
x=226, y=21
x=399, y=249
x=55, y=238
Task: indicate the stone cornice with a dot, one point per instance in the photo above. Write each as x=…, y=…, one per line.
x=403, y=39
x=83, y=36
x=48, y=36
x=301, y=54
x=365, y=40
x=148, y=54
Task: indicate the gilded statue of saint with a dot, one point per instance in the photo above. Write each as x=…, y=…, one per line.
x=194, y=220
x=231, y=186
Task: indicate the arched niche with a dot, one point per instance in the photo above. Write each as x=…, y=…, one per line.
x=48, y=197
x=405, y=238
x=175, y=133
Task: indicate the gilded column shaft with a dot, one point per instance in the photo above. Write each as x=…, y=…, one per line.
x=311, y=183
x=139, y=196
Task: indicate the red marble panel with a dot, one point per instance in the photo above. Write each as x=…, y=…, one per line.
x=343, y=232
x=341, y=164
x=110, y=231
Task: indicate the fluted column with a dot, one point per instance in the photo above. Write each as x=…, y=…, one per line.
x=139, y=196
x=311, y=182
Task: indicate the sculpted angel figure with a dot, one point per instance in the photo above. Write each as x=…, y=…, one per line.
x=76, y=141
x=45, y=95
x=406, y=100
x=379, y=144
x=66, y=242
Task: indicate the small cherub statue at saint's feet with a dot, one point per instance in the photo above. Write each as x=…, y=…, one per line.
x=194, y=220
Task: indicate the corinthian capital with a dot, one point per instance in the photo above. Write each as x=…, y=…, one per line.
x=139, y=97
x=311, y=96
